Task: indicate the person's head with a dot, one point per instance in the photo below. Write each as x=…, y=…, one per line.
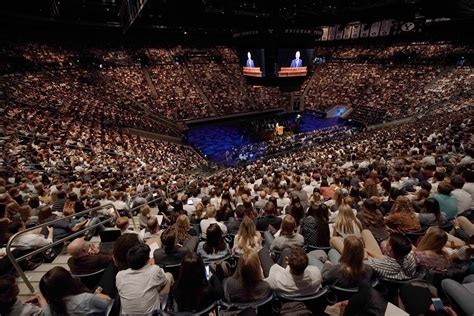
x=352, y=258
x=34, y=201
x=434, y=240
x=402, y=204
x=145, y=210
x=121, y=247
x=444, y=188
x=270, y=208
x=61, y=195
x=138, y=256
x=211, y=211
x=398, y=246
x=182, y=223
x=298, y=261
x=249, y=55
x=122, y=223
x=320, y=211
x=432, y=206
x=249, y=271
x=78, y=248
x=297, y=55
x=239, y=211
x=192, y=273
x=152, y=224
x=9, y=291
x=457, y=182
x=44, y=213
x=168, y=238
x=370, y=205
x=346, y=220
x=56, y=285
x=214, y=240
x=288, y=226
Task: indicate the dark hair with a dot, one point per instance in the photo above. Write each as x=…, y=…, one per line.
x=121, y=247
x=72, y=197
x=297, y=211
x=298, y=261
x=214, y=240
x=57, y=284
x=34, y=202
x=432, y=206
x=370, y=205
x=457, y=182
x=138, y=256
x=320, y=211
x=61, y=195
x=240, y=211
x=401, y=245
x=394, y=193
x=8, y=293
x=425, y=185
x=168, y=239
x=192, y=282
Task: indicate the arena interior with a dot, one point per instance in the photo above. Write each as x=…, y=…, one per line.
x=244, y=157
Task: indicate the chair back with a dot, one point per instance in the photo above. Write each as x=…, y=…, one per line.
x=109, y=235
x=90, y=280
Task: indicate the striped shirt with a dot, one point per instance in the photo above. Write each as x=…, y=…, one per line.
x=391, y=268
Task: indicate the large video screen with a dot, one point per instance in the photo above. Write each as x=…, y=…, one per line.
x=294, y=62
x=253, y=62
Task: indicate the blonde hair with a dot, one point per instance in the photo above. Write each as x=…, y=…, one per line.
x=199, y=210
x=434, y=240
x=182, y=228
x=345, y=220
x=247, y=234
x=145, y=210
x=249, y=270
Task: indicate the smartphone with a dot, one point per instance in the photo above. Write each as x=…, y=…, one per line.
x=207, y=272
x=438, y=304
x=190, y=202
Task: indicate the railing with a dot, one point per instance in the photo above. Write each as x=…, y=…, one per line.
x=15, y=261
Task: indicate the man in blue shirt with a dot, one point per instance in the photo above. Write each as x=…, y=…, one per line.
x=447, y=203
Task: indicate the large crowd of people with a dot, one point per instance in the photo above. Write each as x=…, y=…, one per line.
x=385, y=204
x=337, y=208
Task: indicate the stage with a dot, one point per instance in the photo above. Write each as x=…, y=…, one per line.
x=221, y=142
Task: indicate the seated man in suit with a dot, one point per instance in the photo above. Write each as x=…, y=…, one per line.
x=250, y=62
x=85, y=257
x=297, y=62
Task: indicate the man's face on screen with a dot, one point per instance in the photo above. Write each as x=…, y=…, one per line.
x=297, y=55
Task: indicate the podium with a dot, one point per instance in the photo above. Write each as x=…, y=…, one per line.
x=293, y=71
x=252, y=71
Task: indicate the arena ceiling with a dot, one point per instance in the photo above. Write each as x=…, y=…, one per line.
x=229, y=15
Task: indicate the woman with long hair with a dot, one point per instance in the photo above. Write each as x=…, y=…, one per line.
x=214, y=247
x=402, y=216
x=372, y=219
x=429, y=251
x=348, y=269
x=315, y=226
x=346, y=224
x=430, y=214
x=288, y=238
x=247, y=238
x=183, y=229
x=246, y=284
x=194, y=291
x=66, y=295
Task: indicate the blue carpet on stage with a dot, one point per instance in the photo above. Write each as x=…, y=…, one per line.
x=215, y=139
